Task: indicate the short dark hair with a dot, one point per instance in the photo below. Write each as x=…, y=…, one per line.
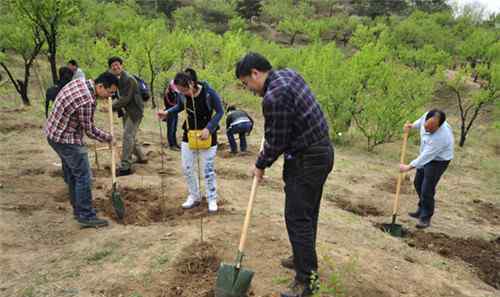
x=107, y=79
x=231, y=108
x=183, y=79
x=65, y=76
x=436, y=112
x=192, y=73
x=114, y=59
x=73, y=62
x=252, y=61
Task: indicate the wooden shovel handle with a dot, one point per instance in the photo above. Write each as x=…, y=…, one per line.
x=248, y=214
x=111, y=131
x=401, y=174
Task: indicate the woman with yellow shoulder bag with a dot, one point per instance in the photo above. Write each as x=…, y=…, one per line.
x=204, y=110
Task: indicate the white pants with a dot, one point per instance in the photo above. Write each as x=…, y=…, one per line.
x=190, y=169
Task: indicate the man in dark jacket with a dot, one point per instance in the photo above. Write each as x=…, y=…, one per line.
x=170, y=98
x=130, y=100
x=238, y=122
x=295, y=126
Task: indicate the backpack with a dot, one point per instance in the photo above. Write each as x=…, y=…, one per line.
x=50, y=96
x=143, y=88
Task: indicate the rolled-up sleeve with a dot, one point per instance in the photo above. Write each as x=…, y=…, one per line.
x=86, y=117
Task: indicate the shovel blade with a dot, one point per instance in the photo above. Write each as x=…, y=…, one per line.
x=118, y=204
x=232, y=281
x=395, y=230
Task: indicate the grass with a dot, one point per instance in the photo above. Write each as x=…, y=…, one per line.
x=281, y=280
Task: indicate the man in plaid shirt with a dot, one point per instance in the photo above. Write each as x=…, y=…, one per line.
x=73, y=115
x=295, y=127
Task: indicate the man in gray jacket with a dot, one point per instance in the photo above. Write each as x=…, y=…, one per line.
x=130, y=100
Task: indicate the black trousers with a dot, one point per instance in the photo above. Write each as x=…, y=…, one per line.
x=305, y=174
x=425, y=182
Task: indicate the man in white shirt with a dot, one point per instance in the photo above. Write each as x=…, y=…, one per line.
x=77, y=72
x=436, y=152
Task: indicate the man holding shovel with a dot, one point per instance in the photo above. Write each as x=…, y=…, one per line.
x=295, y=127
x=73, y=114
x=436, y=152
x=130, y=100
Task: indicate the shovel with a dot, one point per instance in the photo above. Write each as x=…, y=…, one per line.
x=232, y=279
x=116, y=199
x=394, y=229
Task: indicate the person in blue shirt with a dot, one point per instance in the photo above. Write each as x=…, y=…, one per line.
x=436, y=152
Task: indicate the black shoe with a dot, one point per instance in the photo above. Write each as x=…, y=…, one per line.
x=297, y=289
x=142, y=161
x=92, y=223
x=288, y=263
x=124, y=172
x=174, y=148
x=415, y=215
x=423, y=223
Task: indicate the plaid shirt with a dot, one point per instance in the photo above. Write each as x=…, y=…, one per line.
x=293, y=119
x=73, y=114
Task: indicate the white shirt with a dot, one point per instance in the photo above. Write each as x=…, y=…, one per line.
x=437, y=146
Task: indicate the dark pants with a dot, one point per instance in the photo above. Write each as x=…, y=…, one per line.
x=304, y=175
x=426, y=181
x=172, y=129
x=77, y=175
x=241, y=129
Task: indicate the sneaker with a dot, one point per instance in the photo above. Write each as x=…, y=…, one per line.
x=288, y=263
x=92, y=222
x=123, y=172
x=423, y=223
x=191, y=202
x=212, y=206
x=415, y=215
x=297, y=289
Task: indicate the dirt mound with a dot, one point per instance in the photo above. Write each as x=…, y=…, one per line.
x=359, y=209
x=7, y=128
x=487, y=211
x=481, y=254
x=196, y=271
x=31, y=172
x=391, y=184
x=145, y=206
x=25, y=209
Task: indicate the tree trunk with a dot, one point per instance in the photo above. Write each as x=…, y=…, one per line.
x=53, y=64
x=292, y=41
x=462, y=139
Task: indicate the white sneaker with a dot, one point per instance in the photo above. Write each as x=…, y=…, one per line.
x=212, y=206
x=191, y=202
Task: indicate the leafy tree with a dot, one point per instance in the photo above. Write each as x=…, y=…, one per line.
x=48, y=16
x=154, y=49
x=472, y=101
x=374, y=9
x=383, y=93
x=187, y=18
x=23, y=38
x=249, y=8
x=474, y=49
x=431, y=5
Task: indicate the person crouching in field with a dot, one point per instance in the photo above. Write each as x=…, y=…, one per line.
x=436, y=152
x=200, y=104
x=73, y=115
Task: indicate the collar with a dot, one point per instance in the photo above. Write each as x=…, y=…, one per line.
x=91, y=87
x=270, y=77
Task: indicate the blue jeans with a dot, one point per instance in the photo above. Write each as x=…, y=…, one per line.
x=242, y=129
x=172, y=129
x=206, y=160
x=77, y=176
